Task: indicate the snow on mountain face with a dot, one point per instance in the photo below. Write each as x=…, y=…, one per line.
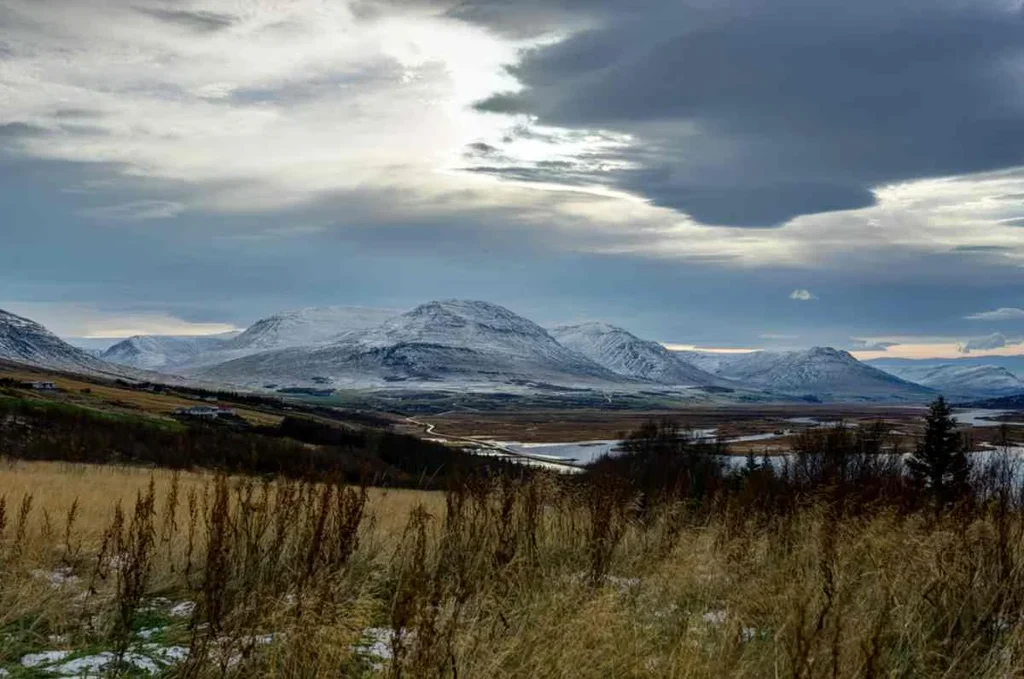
x=962, y=380
x=450, y=342
x=626, y=354
x=821, y=372
x=26, y=341
x=307, y=327
x=708, y=361
x=155, y=352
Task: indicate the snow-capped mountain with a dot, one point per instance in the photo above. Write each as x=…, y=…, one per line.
x=970, y=381
x=626, y=354
x=709, y=361
x=822, y=372
x=306, y=327
x=1013, y=363
x=451, y=342
x=158, y=352
x=25, y=341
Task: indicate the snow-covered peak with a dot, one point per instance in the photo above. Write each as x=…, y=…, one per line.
x=26, y=341
x=962, y=380
x=452, y=342
x=821, y=372
x=626, y=354
x=463, y=323
x=155, y=352
x=307, y=327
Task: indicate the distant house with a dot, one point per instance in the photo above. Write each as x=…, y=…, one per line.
x=42, y=386
x=204, y=412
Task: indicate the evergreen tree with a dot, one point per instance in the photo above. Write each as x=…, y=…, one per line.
x=939, y=463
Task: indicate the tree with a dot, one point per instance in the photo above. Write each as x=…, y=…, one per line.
x=939, y=463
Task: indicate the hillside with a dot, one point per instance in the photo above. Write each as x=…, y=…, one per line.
x=447, y=343
x=155, y=352
x=626, y=354
x=25, y=341
x=821, y=373
x=963, y=381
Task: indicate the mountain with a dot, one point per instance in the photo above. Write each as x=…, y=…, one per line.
x=25, y=341
x=1012, y=363
x=821, y=373
x=448, y=343
x=306, y=327
x=962, y=381
x=156, y=352
x=626, y=354
x=709, y=361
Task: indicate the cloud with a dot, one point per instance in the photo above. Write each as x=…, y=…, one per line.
x=254, y=105
x=1000, y=314
x=871, y=345
x=802, y=295
x=83, y=320
x=994, y=341
x=742, y=115
x=136, y=210
x=203, y=22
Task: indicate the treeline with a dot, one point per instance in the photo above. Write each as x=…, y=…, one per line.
x=853, y=469
x=298, y=448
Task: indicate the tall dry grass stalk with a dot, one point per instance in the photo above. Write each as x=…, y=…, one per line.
x=499, y=578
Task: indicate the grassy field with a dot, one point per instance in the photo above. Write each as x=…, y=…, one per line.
x=657, y=563
x=109, y=397
x=200, y=575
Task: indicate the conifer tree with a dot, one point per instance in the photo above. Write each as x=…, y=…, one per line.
x=939, y=463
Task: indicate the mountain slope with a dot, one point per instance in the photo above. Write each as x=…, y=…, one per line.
x=451, y=342
x=306, y=327
x=25, y=341
x=822, y=372
x=626, y=354
x=1012, y=363
x=971, y=381
x=156, y=352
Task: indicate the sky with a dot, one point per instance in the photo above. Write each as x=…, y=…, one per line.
x=731, y=174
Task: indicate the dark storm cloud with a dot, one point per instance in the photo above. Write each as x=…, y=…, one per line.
x=751, y=112
x=202, y=22
x=17, y=130
x=77, y=114
x=982, y=248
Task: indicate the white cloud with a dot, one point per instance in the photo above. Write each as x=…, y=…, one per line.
x=859, y=344
x=253, y=105
x=1000, y=314
x=137, y=210
x=83, y=320
x=994, y=341
x=289, y=99
x=802, y=295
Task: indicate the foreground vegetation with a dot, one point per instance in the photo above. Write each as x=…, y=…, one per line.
x=656, y=563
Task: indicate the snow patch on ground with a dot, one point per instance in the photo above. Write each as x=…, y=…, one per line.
x=43, y=658
x=183, y=609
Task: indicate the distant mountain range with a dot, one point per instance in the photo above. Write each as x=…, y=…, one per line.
x=163, y=352
x=478, y=346
x=962, y=381
x=821, y=373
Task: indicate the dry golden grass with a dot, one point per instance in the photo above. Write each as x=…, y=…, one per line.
x=97, y=489
x=518, y=579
